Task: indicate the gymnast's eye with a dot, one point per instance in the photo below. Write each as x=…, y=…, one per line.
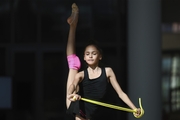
x=87, y=54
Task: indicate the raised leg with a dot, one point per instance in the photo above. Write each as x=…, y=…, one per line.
x=72, y=21
x=70, y=50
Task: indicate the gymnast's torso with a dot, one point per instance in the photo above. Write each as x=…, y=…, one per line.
x=94, y=89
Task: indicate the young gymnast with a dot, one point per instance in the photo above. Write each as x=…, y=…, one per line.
x=92, y=82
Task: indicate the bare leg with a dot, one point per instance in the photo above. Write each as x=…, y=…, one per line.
x=72, y=21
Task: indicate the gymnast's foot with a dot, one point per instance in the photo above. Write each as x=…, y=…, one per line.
x=73, y=19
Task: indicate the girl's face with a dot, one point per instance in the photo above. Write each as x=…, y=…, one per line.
x=92, y=55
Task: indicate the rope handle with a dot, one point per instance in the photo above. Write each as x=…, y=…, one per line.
x=116, y=107
x=142, y=110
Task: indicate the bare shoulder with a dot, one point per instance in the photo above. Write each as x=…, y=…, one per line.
x=109, y=71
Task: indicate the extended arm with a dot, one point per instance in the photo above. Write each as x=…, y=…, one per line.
x=118, y=89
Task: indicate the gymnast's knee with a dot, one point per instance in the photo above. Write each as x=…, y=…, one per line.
x=73, y=62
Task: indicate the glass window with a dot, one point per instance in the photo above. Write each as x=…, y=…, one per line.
x=53, y=20
x=2, y=62
x=54, y=76
x=23, y=81
x=5, y=21
x=171, y=82
x=25, y=21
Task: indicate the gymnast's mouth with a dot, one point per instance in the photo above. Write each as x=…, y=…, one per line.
x=90, y=60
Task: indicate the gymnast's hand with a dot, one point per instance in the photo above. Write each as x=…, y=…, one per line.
x=137, y=113
x=74, y=97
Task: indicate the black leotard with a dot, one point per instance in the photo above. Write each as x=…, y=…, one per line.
x=94, y=89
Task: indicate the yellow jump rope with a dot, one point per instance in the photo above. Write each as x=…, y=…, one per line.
x=117, y=107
